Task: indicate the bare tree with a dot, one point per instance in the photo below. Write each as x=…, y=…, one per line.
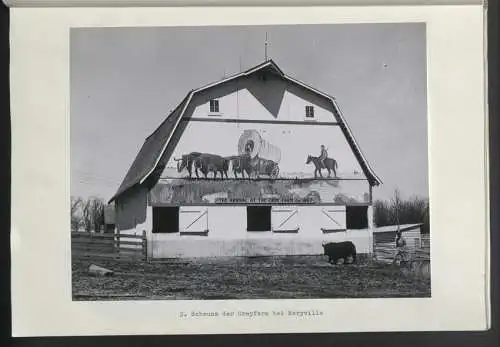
x=98, y=215
x=93, y=214
x=76, y=215
x=396, y=202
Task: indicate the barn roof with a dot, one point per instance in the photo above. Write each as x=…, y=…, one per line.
x=155, y=144
x=151, y=151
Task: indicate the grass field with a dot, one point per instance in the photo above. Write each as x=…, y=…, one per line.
x=290, y=277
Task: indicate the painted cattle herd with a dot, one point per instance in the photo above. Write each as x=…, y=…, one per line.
x=239, y=164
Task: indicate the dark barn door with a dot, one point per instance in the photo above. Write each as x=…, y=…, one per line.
x=258, y=218
x=166, y=219
x=357, y=217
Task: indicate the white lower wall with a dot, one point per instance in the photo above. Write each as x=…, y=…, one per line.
x=228, y=236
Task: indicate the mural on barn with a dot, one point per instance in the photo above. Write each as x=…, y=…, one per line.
x=252, y=174
x=255, y=157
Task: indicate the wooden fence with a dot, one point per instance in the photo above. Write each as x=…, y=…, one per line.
x=425, y=241
x=108, y=246
x=418, y=248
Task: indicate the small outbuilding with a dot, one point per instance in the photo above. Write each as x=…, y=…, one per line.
x=109, y=218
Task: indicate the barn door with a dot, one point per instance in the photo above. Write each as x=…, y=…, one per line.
x=333, y=219
x=285, y=219
x=193, y=221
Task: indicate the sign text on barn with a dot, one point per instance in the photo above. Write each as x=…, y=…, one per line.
x=239, y=191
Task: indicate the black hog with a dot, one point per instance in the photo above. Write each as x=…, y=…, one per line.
x=340, y=250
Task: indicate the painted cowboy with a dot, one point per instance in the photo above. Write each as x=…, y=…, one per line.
x=323, y=155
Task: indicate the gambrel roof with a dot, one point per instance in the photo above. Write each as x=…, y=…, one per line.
x=148, y=158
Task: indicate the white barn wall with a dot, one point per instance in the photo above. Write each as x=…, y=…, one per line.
x=228, y=236
x=173, y=246
x=253, y=99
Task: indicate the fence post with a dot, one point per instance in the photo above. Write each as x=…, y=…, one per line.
x=89, y=244
x=374, y=254
x=416, y=248
x=118, y=242
x=145, y=245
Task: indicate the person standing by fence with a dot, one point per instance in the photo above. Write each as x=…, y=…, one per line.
x=401, y=256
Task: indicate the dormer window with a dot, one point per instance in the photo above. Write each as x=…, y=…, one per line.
x=309, y=111
x=214, y=106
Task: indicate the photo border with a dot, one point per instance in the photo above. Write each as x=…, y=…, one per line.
x=19, y=239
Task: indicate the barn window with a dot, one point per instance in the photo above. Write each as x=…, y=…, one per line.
x=357, y=217
x=165, y=219
x=309, y=111
x=214, y=106
x=258, y=218
x=193, y=221
x=285, y=219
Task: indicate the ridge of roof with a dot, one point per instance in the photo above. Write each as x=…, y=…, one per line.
x=247, y=72
x=137, y=175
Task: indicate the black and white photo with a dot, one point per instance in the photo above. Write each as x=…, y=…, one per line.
x=249, y=162
x=248, y=170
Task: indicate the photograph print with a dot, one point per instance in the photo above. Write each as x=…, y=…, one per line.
x=249, y=162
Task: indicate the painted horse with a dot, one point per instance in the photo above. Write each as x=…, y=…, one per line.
x=330, y=165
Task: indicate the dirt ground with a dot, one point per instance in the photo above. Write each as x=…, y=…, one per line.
x=293, y=277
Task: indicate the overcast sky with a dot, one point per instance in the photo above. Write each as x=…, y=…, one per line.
x=125, y=81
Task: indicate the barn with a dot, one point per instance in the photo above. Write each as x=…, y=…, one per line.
x=233, y=170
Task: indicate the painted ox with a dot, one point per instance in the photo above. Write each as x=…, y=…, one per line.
x=243, y=163
x=340, y=250
x=240, y=164
x=211, y=163
x=186, y=161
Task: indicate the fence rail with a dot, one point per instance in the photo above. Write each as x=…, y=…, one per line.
x=108, y=246
x=425, y=241
x=417, y=248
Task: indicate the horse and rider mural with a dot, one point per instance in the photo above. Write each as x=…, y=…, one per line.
x=323, y=162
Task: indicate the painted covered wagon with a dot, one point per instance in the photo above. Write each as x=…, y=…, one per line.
x=264, y=157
